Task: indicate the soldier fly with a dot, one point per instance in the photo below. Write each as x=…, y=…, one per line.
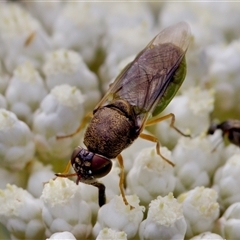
x=142, y=90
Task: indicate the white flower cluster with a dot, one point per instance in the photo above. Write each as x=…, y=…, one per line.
x=57, y=58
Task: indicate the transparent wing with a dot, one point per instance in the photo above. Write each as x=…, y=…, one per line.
x=144, y=81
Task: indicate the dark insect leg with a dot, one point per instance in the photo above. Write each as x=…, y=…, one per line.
x=155, y=140
x=101, y=193
x=81, y=126
x=170, y=115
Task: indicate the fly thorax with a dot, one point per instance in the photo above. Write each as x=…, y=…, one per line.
x=111, y=130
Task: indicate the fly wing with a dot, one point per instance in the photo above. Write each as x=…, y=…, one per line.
x=144, y=81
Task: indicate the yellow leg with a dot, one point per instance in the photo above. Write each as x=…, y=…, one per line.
x=66, y=173
x=81, y=126
x=121, y=181
x=170, y=115
x=155, y=140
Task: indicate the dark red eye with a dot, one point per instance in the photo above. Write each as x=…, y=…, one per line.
x=100, y=166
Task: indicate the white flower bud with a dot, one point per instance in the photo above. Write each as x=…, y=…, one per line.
x=3, y=102
x=21, y=37
x=65, y=66
x=224, y=76
x=60, y=114
x=228, y=225
x=121, y=217
x=150, y=175
x=200, y=209
x=20, y=213
x=39, y=175
x=207, y=235
x=62, y=236
x=108, y=233
x=230, y=150
x=76, y=21
x=195, y=162
x=45, y=11
x=64, y=209
x=128, y=14
x=4, y=78
x=25, y=92
x=227, y=180
x=165, y=220
x=11, y=177
x=16, y=142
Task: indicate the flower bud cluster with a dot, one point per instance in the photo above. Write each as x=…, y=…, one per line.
x=57, y=59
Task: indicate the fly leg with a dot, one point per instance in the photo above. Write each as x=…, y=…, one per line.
x=101, y=193
x=159, y=119
x=81, y=126
x=155, y=140
x=100, y=186
x=66, y=173
x=121, y=181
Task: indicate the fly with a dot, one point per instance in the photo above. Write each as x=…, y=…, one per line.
x=141, y=91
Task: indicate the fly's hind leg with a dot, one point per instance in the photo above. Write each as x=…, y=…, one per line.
x=81, y=126
x=155, y=140
x=159, y=119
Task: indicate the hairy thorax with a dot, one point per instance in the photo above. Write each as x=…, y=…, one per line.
x=110, y=131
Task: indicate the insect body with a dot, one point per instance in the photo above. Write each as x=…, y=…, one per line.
x=230, y=128
x=141, y=91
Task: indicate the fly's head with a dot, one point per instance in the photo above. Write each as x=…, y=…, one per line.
x=89, y=166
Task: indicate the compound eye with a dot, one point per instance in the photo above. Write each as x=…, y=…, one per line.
x=75, y=153
x=100, y=166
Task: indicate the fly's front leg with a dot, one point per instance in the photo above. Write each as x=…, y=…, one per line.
x=66, y=173
x=101, y=193
x=81, y=126
x=155, y=140
x=170, y=115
